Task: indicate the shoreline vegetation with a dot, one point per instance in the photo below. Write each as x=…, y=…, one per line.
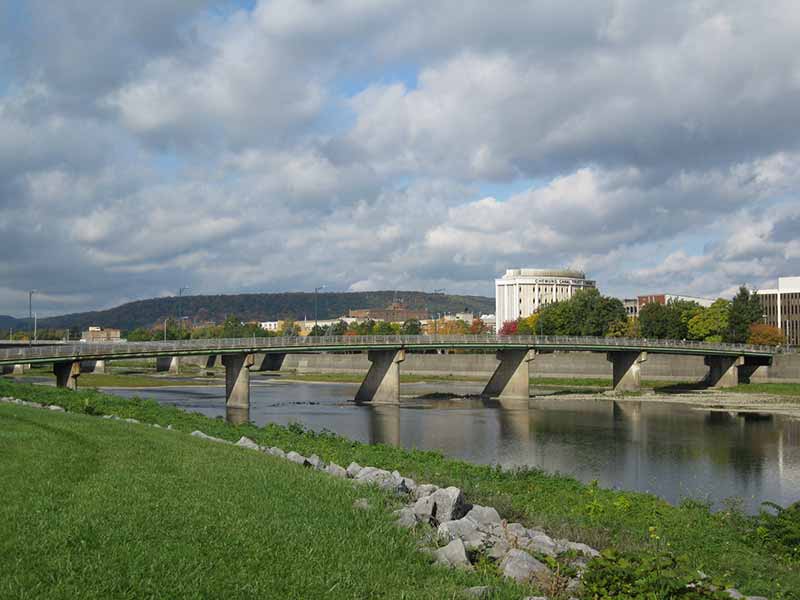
x=743, y=550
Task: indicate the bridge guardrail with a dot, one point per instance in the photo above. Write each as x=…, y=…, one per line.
x=121, y=349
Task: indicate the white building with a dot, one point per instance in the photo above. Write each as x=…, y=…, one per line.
x=781, y=307
x=521, y=292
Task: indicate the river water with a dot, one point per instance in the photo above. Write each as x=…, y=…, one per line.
x=672, y=450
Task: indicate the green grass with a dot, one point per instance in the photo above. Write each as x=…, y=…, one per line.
x=132, y=380
x=91, y=508
x=777, y=389
x=724, y=544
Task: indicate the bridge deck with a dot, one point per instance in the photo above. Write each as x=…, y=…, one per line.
x=123, y=350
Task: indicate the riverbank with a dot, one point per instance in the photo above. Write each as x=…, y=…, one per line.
x=93, y=508
x=720, y=543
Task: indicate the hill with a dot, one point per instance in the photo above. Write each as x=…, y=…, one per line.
x=262, y=307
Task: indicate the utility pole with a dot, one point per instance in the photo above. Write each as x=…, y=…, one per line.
x=180, y=293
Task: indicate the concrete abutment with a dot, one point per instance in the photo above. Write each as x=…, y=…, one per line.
x=237, y=380
x=382, y=382
x=168, y=363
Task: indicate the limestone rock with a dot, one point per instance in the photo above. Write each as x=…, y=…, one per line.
x=516, y=532
x=453, y=555
x=275, y=451
x=297, y=458
x=352, y=469
x=521, y=566
x=483, y=515
x=480, y=591
x=55, y=407
x=375, y=476
x=128, y=420
x=424, y=508
x=424, y=489
x=566, y=545
x=539, y=541
x=246, y=442
x=336, y=471
x=203, y=436
x=497, y=550
x=316, y=462
x=405, y=518
x=464, y=529
x=450, y=504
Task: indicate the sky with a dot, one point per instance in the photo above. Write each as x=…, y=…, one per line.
x=283, y=145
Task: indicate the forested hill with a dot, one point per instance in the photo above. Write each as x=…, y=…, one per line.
x=262, y=307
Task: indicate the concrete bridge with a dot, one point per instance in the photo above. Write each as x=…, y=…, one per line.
x=726, y=362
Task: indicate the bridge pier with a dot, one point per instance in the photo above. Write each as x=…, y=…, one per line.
x=511, y=378
x=382, y=383
x=67, y=373
x=723, y=371
x=168, y=363
x=237, y=380
x=271, y=361
x=18, y=369
x=93, y=366
x=626, y=369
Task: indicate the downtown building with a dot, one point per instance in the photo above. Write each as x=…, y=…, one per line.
x=521, y=292
x=781, y=308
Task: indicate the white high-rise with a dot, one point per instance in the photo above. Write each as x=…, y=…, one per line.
x=521, y=292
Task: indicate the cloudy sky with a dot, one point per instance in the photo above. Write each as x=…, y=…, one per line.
x=364, y=144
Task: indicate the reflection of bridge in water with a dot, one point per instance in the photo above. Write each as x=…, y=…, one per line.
x=511, y=378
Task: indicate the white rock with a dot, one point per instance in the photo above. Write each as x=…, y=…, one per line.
x=336, y=471
x=246, y=442
x=316, y=462
x=424, y=489
x=297, y=458
x=130, y=420
x=541, y=542
x=521, y=566
x=453, y=555
x=203, y=436
x=56, y=408
x=484, y=515
x=464, y=529
x=274, y=451
x=405, y=518
x=566, y=545
x=353, y=469
x=424, y=508
x=450, y=504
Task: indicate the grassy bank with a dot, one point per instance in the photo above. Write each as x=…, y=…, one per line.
x=91, y=508
x=131, y=380
x=725, y=544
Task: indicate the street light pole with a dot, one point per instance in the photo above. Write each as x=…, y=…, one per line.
x=180, y=293
x=30, y=312
x=316, y=291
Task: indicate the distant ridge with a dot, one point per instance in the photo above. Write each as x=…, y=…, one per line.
x=250, y=307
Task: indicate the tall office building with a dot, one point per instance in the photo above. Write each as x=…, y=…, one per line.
x=781, y=307
x=521, y=292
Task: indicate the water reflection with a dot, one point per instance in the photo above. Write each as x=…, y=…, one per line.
x=672, y=450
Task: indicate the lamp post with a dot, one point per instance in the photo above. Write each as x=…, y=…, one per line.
x=30, y=312
x=180, y=293
x=316, y=291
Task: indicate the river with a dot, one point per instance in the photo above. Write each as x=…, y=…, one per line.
x=672, y=450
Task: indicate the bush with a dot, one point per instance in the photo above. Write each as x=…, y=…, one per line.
x=781, y=527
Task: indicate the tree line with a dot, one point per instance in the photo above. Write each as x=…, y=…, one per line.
x=587, y=313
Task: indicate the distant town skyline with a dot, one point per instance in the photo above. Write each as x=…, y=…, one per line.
x=285, y=145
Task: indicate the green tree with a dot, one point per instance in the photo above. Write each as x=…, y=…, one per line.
x=338, y=328
x=411, y=327
x=527, y=325
x=383, y=328
x=711, y=323
x=318, y=331
x=745, y=310
x=140, y=334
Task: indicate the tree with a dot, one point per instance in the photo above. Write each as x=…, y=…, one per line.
x=527, y=326
x=745, y=310
x=289, y=329
x=411, y=327
x=618, y=329
x=765, y=335
x=711, y=323
x=477, y=327
x=509, y=328
x=383, y=328
x=140, y=334
x=338, y=328
x=317, y=331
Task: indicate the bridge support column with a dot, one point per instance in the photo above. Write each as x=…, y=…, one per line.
x=168, y=363
x=93, y=366
x=511, y=378
x=271, y=361
x=67, y=374
x=723, y=371
x=237, y=380
x=382, y=383
x=626, y=369
x=19, y=369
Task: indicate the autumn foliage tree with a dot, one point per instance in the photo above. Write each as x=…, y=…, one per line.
x=509, y=328
x=765, y=335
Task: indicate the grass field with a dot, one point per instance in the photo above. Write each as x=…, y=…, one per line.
x=91, y=508
x=725, y=544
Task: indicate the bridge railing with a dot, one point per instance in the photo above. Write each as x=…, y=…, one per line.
x=254, y=344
